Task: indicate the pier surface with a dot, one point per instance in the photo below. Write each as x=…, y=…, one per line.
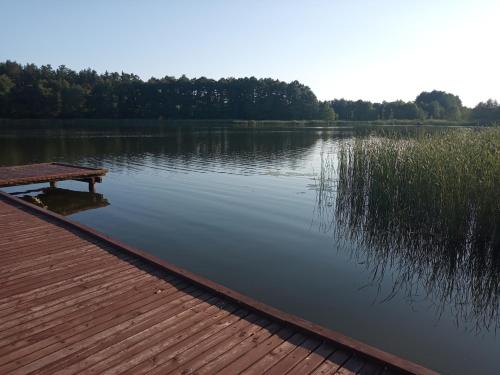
x=47, y=172
x=75, y=301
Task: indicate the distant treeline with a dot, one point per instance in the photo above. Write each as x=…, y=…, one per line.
x=29, y=91
x=435, y=105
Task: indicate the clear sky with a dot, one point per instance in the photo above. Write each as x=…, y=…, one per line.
x=357, y=49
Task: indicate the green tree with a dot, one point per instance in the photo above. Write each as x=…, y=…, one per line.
x=72, y=101
x=486, y=112
x=326, y=112
x=440, y=105
x=6, y=85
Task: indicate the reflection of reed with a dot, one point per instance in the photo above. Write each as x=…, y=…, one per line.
x=429, y=208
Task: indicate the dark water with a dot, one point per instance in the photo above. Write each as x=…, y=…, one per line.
x=241, y=207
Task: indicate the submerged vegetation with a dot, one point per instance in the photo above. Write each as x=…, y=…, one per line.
x=429, y=204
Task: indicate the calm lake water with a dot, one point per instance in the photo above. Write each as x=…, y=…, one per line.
x=242, y=208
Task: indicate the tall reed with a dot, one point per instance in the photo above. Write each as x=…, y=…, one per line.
x=429, y=204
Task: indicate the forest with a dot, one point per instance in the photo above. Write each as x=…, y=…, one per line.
x=435, y=105
x=29, y=91
x=43, y=92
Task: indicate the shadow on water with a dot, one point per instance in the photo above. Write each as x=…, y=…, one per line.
x=423, y=212
x=63, y=201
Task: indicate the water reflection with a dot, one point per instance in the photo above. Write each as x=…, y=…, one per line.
x=230, y=205
x=181, y=150
x=442, y=246
x=63, y=201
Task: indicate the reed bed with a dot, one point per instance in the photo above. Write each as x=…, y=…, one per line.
x=428, y=205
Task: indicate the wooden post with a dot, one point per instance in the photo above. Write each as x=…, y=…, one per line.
x=52, y=184
x=91, y=185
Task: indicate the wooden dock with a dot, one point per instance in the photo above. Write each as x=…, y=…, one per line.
x=49, y=172
x=75, y=301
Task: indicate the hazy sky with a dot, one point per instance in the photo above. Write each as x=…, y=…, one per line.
x=374, y=50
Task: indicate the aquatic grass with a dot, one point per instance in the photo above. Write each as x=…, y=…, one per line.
x=429, y=203
x=448, y=181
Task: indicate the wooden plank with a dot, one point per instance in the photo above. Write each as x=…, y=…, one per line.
x=109, y=278
x=99, y=351
x=52, y=324
x=298, y=355
x=301, y=324
x=53, y=277
x=261, y=350
x=238, y=350
x=278, y=353
x=173, y=352
x=340, y=362
x=198, y=360
x=314, y=359
x=206, y=350
x=45, y=172
x=38, y=355
x=160, y=337
x=75, y=301
x=48, y=289
x=42, y=264
x=23, y=317
x=81, y=255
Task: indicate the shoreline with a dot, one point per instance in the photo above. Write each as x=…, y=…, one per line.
x=228, y=123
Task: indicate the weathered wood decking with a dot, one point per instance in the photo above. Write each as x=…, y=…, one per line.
x=48, y=172
x=74, y=301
